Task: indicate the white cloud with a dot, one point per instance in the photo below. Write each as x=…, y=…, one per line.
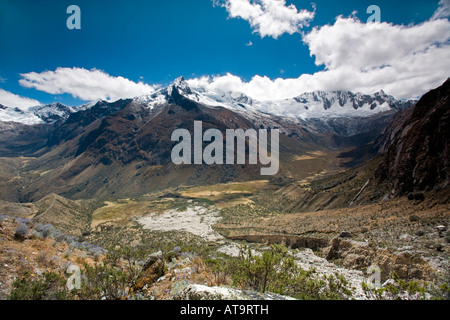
x=367, y=45
x=269, y=17
x=85, y=84
x=443, y=10
x=259, y=87
x=404, y=61
x=10, y=99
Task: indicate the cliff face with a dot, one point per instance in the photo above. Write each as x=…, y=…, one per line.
x=417, y=145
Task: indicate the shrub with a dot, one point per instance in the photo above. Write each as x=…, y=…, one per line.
x=24, y=221
x=67, y=238
x=134, y=270
x=96, y=251
x=36, y=235
x=276, y=271
x=21, y=232
x=46, y=230
x=116, y=277
x=86, y=246
x=56, y=234
x=219, y=271
x=399, y=289
x=103, y=282
x=49, y=286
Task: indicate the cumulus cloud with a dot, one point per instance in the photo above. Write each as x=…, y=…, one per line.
x=404, y=61
x=259, y=87
x=85, y=84
x=367, y=45
x=270, y=18
x=10, y=99
x=443, y=10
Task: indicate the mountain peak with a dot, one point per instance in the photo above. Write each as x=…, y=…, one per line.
x=46, y=113
x=181, y=86
x=179, y=80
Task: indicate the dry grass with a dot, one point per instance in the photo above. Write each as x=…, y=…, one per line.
x=394, y=223
x=217, y=190
x=33, y=255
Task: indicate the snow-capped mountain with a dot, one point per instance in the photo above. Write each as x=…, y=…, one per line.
x=310, y=105
x=319, y=104
x=52, y=112
x=123, y=148
x=8, y=114
x=333, y=104
x=36, y=115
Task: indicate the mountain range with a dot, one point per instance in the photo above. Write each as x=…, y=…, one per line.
x=122, y=148
x=310, y=105
x=365, y=167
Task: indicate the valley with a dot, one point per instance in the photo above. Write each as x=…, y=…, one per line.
x=99, y=189
x=215, y=220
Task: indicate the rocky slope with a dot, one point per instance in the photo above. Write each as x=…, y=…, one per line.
x=417, y=145
x=123, y=148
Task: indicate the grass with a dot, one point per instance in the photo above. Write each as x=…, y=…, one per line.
x=122, y=212
x=217, y=191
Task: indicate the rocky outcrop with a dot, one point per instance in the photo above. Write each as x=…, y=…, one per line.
x=194, y=291
x=354, y=255
x=288, y=240
x=417, y=145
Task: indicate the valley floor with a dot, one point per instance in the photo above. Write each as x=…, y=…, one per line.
x=407, y=239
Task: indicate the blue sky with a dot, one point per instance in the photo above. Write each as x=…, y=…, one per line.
x=158, y=40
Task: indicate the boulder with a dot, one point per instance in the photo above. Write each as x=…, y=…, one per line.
x=151, y=259
x=345, y=234
x=355, y=261
x=202, y=292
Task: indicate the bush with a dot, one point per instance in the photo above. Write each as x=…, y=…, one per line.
x=276, y=271
x=21, y=232
x=36, y=235
x=219, y=271
x=399, y=289
x=116, y=278
x=24, y=221
x=86, y=246
x=49, y=286
x=96, y=251
x=46, y=230
x=103, y=282
x=56, y=234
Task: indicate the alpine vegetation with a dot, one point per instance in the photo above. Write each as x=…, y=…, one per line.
x=214, y=152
